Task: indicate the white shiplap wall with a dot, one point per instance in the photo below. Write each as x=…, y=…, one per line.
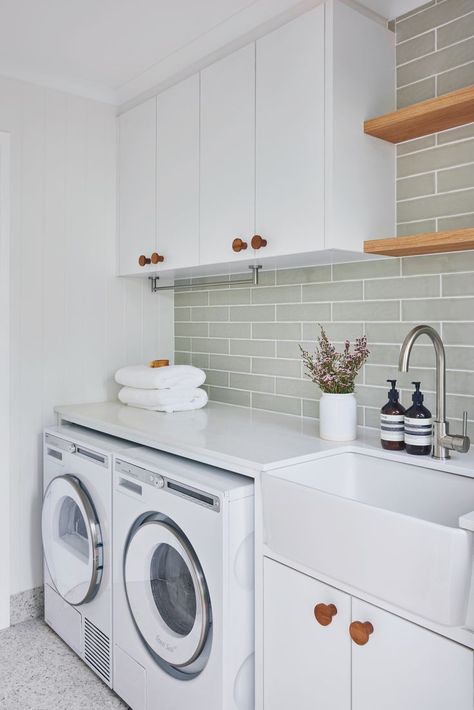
x=73, y=322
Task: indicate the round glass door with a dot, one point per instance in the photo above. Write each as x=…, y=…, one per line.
x=167, y=593
x=72, y=540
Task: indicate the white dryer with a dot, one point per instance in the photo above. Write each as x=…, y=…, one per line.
x=76, y=531
x=183, y=584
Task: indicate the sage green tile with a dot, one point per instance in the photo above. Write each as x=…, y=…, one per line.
x=438, y=263
x=182, y=344
x=310, y=274
x=414, y=12
x=444, y=156
x=210, y=313
x=311, y=408
x=416, y=144
x=337, y=332
x=275, y=403
x=266, y=278
x=297, y=388
x=276, y=331
x=391, y=332
x=456, y=178
x=433, y=16
x=190, y=329
x=303, y=312
x=274, y=366
x=372, y=396
x=458, y=285
x=373, y=311
x=455, y=79
x=252, y=313
x=406, y=287
x=217, y=377
x=254, y=383
x=416, y=47
x=229, y=296
x=290, y=349
x=210, y=345
x=232, y=363
x=366, y=269
x=262, y=348
x=442, y=308
x=182, y=314
x=460, y=358
x=372, y=417
x=378, y=374
x=458, y=382
x=416, y=186
x=230, y=330
x=458, y=333
x=191, y=298
x=422, y=355
x=341, y=291
x=455, y=406
x=200, y=360
x=276, y=294
x=408, y=228
x=462, y=221
x=436, y=63
x=230, y=396
x=182, y=358
x=455, y=31
x=456, y=134
x=414, y=93
x=449, y=203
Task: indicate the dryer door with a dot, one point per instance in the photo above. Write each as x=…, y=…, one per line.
x=167, y=594
x=72, y=540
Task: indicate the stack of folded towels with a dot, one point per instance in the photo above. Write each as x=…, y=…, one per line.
x=174, y=388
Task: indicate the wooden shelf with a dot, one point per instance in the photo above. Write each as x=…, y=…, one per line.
x=425, y=243
x=431, y=116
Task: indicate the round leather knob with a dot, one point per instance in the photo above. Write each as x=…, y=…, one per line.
x=143, y=260
x=258, y=242
x=239, y=245
x=324, y=613
x=360, y=632
x=156, y=258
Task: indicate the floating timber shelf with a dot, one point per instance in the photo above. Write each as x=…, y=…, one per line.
x=431, y=116
x=425, y=243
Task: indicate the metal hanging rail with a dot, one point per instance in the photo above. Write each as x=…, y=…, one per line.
x=253, y=281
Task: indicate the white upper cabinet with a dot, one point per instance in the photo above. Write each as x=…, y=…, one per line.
x=227, y=156
x=290, y=136
x=177, y=174
x=136, y=203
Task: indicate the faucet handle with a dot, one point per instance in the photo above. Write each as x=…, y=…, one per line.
x=464, y=423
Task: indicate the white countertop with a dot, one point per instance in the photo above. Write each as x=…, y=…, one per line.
x=238, y=439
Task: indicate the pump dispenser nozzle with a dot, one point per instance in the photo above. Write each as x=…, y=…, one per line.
x=393, y=393
x=417, y=396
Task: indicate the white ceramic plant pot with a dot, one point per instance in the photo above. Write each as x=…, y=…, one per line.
x=338, y=417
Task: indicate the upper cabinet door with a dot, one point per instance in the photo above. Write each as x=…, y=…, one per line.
x=177, y=174
x=405, y=666
x=137, y=191
x=227, y=156
x=290, y=136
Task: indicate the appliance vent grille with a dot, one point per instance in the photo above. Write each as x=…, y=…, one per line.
x=97, y=649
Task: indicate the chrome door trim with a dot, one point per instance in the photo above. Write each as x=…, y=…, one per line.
x=95, y=536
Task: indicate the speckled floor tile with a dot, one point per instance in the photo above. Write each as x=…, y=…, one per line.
x=39, y=672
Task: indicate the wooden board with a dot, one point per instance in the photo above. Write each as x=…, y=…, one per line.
x=425, y=243
x=431, y=116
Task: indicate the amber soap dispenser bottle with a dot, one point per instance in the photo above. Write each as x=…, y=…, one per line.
x=418, y=425
x=392, y=428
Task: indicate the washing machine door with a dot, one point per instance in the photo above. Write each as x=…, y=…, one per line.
x=167, y=593
x=72, y=540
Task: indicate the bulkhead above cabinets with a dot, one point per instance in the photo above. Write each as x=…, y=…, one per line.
x=262, y=155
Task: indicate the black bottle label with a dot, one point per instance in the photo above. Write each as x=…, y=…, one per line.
x=418, y=432
x=392, y=427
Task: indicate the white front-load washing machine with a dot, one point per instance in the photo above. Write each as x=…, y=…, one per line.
x=76, y=531
x=183, y=584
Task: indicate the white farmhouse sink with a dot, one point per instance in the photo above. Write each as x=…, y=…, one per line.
x=387, y=528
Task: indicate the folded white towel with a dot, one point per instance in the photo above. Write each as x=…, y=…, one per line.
x=149, y=378
x=178, y=399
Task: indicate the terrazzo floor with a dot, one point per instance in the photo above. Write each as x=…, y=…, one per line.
x=39, y=672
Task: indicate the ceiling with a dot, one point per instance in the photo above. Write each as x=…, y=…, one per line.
x=113, y=50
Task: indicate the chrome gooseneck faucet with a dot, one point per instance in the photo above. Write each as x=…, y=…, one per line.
x=443, y=442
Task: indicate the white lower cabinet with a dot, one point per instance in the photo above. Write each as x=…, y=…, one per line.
x=315, y=665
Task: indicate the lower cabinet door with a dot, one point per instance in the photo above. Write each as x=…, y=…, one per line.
x=307, y=664
x=401, y=666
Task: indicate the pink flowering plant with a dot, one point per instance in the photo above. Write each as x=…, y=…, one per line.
x=335, y=372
